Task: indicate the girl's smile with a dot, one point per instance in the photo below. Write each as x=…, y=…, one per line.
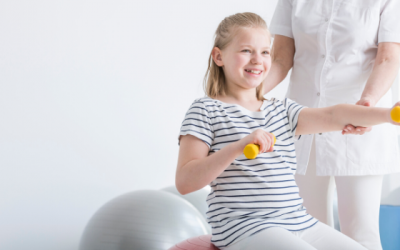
x=254, y=72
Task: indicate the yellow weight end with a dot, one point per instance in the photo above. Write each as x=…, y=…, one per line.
x=274, y=140
x=251, y=151
x=395, y=114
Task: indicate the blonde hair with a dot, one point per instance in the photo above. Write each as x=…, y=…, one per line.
x=214, y=80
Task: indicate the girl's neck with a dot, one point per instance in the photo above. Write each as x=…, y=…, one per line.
x=246, y=99
x=240, y=95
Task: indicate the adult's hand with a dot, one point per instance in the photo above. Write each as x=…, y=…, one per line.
x=350, y=129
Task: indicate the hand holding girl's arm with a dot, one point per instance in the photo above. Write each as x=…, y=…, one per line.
x=384, y=72
x=196, y=169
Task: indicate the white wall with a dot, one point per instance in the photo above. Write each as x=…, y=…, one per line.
x=92, y=95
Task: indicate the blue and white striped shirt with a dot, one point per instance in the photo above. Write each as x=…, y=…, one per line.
x=250, y=195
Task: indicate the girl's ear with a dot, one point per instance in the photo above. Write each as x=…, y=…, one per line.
x=216, y=54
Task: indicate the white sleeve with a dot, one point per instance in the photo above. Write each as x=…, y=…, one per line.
x=389, y=25
x=293, y=110
x=281, y=23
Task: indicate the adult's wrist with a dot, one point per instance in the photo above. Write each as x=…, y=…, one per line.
x=367, y=100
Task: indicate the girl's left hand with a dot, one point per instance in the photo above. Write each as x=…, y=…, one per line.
x=350, y=129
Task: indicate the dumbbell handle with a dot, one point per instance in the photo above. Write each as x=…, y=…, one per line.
x=251, y=150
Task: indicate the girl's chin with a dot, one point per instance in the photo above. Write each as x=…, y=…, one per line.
x=253, y=84
x=250, y=86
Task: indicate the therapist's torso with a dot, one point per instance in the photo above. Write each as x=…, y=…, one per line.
x=336, y=44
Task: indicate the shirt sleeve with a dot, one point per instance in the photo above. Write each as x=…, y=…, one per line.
x=293, y=110
x=197, y=122
x=389, y=28
x=281, y=23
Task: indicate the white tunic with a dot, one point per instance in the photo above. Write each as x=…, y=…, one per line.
x=336, y=44
x=250, y=195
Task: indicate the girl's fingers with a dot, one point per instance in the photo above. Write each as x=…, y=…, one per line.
x=260, y=142
x=265, y=139
x=265, y=143
x=271, y=138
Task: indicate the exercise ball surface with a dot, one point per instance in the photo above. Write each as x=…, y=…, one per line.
x=197, y=198
x=196, y=243
x=144, y=219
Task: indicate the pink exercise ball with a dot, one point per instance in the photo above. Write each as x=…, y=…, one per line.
x=202, y=242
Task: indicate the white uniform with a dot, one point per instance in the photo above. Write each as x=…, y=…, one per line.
x=336, y=44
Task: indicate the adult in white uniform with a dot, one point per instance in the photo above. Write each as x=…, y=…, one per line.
x=341, y=51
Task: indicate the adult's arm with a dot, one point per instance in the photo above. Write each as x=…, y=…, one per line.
x=282, y=55
x=384, y=72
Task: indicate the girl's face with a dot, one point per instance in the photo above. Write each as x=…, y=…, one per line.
x=246, y=60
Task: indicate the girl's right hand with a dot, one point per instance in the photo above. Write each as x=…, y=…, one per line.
x=260, y=137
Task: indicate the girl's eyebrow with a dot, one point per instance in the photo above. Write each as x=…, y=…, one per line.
x=246, y=45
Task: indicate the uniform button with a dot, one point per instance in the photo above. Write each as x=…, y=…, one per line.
x=320, y=133
x=318, y=94
x=326, y=19
x=323, y=56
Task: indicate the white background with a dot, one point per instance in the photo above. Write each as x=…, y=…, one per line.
x=92, y=95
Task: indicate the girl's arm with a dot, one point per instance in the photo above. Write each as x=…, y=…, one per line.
x=196, y=169
x=334, y=118
x=282, y=55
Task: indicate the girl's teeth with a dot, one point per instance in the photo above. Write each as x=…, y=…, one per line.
x=254, y=71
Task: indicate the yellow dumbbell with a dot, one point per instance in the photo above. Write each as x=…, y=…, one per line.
x=251, y=150
x=395, y=114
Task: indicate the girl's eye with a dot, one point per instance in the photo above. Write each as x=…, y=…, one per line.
x=245, y=50
x=266, y=52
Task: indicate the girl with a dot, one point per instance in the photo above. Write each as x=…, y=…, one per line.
x=255, y=204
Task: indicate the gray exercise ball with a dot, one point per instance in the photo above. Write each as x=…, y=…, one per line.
x=197, y=198
x=144, y=219
x=335, y=211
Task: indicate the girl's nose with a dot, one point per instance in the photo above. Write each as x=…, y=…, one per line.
x=256, y=59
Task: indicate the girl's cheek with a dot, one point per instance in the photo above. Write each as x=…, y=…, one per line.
x=268, y=64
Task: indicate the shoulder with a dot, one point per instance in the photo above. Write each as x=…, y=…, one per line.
x=204, y=106
x=203, y=103
x=289, y=103
x=286, y=104
x=208, y=105
x=273, y=103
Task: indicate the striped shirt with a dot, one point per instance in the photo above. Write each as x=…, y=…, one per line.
x=250, y=195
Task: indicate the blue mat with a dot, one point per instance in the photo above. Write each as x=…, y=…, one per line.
x=389, y=227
